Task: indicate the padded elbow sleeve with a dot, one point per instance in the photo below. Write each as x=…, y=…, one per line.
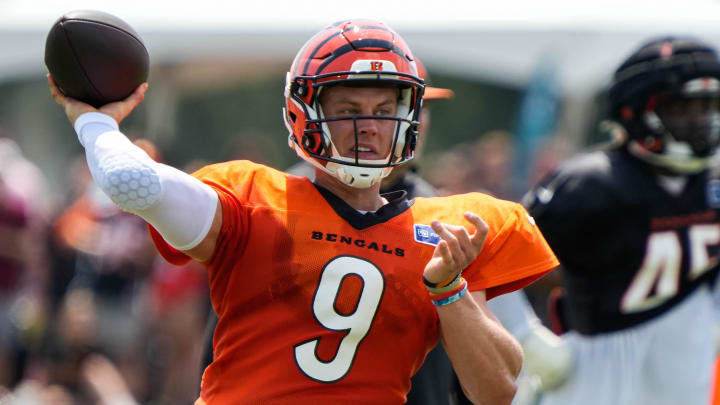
x=178, y=205
x=133, y=184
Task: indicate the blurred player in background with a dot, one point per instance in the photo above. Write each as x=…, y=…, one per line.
x=329, y=292
x=637, y=229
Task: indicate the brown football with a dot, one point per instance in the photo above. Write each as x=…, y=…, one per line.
x=96, y=57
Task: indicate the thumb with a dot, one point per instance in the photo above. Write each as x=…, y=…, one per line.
x=121, y=109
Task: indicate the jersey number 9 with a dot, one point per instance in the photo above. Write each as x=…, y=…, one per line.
x=357, y=324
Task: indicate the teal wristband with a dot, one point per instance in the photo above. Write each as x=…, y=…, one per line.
x=451, y=299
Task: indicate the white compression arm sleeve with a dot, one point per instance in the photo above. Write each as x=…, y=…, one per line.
x=178, y=205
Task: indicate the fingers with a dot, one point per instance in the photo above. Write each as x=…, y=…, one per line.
x=139, y=94
x=462, y=246
x=457, y=249
x=121, y=109
x=481, y=229
x=444, y=233
x=464, y=242
x=444, y=250
x=55, y=92
x=73, y=108
x=456, y=242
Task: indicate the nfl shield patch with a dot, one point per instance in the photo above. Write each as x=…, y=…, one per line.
x=425, y=234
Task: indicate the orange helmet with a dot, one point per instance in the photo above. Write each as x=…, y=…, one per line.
x=355, y=52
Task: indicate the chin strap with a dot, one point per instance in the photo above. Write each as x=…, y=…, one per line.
x=676, y=162
x=358, y=177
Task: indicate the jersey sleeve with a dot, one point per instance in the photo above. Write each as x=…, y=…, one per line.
x=574, y=208
x=232, y=181
x=169, y=253
x=514, y=255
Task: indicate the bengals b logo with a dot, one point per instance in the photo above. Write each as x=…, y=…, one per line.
x=376, y=65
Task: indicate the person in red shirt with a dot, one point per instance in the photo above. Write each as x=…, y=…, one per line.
x=328, y=291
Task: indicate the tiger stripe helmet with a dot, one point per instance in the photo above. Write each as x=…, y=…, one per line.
x=356, y=53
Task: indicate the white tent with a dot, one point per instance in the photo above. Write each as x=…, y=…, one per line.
x=503, y=41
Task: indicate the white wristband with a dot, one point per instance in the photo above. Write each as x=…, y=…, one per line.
x=94, y=118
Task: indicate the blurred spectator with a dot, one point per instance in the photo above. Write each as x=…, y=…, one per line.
x=176, y=303
x=482, y=165
x=23, y=262
x=491, y=164
x=550, y=154
x=105, y=381
x=23, y=177
x=103, y=260
x=101, y=382
x=125, y=327
x=486, y=164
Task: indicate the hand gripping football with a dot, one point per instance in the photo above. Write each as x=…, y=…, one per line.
x=95, y=57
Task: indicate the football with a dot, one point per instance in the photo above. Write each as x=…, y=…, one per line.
x=95, y=57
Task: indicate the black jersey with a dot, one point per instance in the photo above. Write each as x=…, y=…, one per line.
x=629, y=249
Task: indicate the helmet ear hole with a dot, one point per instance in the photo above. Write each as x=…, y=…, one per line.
x=308, y=142
x=312, y=143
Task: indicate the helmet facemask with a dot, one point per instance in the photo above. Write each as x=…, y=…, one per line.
x=317, y=142
x=683, y=127
x=665, y=96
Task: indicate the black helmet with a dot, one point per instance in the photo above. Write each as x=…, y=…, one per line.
x=664, y=71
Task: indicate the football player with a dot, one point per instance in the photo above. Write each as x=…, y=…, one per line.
x=637, y=229
x=546, y=357
x=434, y=383
x=328, y=291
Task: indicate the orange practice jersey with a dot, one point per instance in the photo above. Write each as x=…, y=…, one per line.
x=320, y=304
